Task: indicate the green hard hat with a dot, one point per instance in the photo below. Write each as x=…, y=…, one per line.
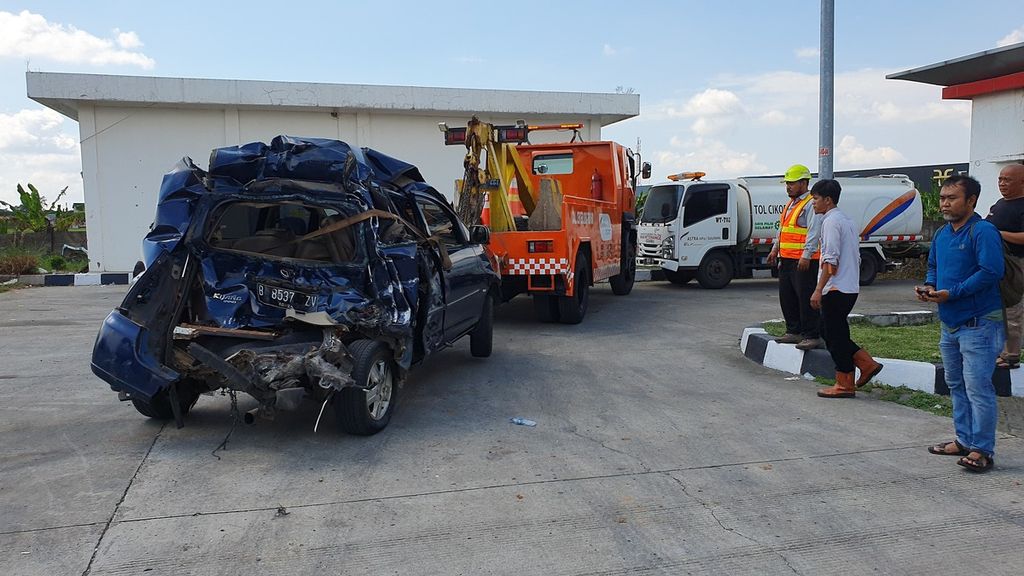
x=797, y=172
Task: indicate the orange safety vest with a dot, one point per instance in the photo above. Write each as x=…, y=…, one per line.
x=792, y=236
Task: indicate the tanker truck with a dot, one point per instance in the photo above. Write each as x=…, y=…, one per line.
x=717, y=230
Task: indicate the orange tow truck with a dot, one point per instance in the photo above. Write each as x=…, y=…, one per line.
x=561, y=215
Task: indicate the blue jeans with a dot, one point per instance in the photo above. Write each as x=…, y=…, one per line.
x=969, y=359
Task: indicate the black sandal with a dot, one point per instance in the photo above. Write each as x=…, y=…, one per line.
x=941, y=449
x=982, y=463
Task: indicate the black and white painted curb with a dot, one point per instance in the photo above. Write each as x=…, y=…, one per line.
x=83, y=279
x=762, y=348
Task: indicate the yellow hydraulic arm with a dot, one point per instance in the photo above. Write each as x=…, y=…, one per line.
x=494, y=178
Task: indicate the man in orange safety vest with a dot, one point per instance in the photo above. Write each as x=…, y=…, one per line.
x=796, y=254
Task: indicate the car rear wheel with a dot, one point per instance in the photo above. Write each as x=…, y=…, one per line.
x=572, y=309
x=481, y=339
x=366, y=408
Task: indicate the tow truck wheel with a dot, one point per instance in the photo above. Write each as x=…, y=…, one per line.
x=622, y=283
x=366, y=408
x=545, y=307
x=715, y=271
x=572, y=309
x=481, y=338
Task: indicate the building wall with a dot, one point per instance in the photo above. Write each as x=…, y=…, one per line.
x=127, y=150
x=997, y=139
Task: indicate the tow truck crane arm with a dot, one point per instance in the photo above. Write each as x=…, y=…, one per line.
x=501, y=165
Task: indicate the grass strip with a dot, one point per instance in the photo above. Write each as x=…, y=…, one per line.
x=919, y=343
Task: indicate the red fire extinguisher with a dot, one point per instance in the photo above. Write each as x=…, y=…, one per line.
x=596, y=185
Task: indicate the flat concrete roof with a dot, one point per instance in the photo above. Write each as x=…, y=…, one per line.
x=65, y=92
x=971, y=68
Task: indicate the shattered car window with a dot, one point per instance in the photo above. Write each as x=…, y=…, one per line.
x=286, y=231
x=440, y=223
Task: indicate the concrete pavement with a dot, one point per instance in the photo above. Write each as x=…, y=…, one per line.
x=659, y=449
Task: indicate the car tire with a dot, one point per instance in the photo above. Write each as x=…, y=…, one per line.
x=545, y=307
x=715, y=271
x=679, y=277
x=869, y=267
x=481, y=339
x=622, y=283
x=366, y=408
x=159, y=406
x=572, y=309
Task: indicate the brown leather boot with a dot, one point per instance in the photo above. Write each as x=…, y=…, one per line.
x=867, y=365
x=844, y=387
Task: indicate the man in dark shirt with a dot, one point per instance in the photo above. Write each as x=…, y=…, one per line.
x=1008, y=216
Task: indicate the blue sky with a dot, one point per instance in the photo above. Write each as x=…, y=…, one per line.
x=729, y=88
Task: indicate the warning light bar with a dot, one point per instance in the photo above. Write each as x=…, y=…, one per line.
x=687, y=176
x=555, y=126
x=454, y=136
x=517, y=134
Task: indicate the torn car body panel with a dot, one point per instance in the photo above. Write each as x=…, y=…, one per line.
x=261, y=272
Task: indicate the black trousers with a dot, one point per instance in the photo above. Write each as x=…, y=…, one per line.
x=795, y=290
x=835, y=308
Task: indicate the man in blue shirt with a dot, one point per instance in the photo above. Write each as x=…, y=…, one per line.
x=965, y=264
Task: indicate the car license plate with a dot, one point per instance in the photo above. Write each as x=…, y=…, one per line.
x=285, y=297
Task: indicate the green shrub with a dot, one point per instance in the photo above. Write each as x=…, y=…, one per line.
x=53, y=262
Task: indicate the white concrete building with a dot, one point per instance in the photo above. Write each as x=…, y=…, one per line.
x=133, y=129
x=993, y=81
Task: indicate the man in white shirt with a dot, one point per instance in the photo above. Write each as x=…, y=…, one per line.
x=836, y=292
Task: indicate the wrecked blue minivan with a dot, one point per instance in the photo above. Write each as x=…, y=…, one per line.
x=305, y=268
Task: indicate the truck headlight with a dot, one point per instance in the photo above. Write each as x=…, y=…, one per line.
x=668, y=247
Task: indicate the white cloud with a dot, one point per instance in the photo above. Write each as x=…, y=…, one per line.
x=26, y=35
x=713, y=102
x=807, y=53
x=608, y=50
x=710, y=156
x=33, y=148
x=777, y=118
x=1012, y=38
x=127, y=40
x=853, y=154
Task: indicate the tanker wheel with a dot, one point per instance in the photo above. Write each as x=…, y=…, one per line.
x=679, y=277
x=715, y=271
x=572, y=309
x=869, y=267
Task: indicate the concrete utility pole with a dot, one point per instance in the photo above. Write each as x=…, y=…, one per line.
x=825, y=89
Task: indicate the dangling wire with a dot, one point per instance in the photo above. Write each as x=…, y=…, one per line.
x=235, y=420
x=326, y=400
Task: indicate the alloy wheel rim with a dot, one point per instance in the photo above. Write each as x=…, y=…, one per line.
x=378, y=395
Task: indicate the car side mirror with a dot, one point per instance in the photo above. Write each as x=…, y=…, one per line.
x=645, y=170
x=480, y=234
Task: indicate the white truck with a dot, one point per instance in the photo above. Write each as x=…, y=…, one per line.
x=717, y=230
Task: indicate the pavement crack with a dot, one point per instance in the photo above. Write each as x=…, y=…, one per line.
x=113, y=514
x=711, y=510
x=575, y=432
